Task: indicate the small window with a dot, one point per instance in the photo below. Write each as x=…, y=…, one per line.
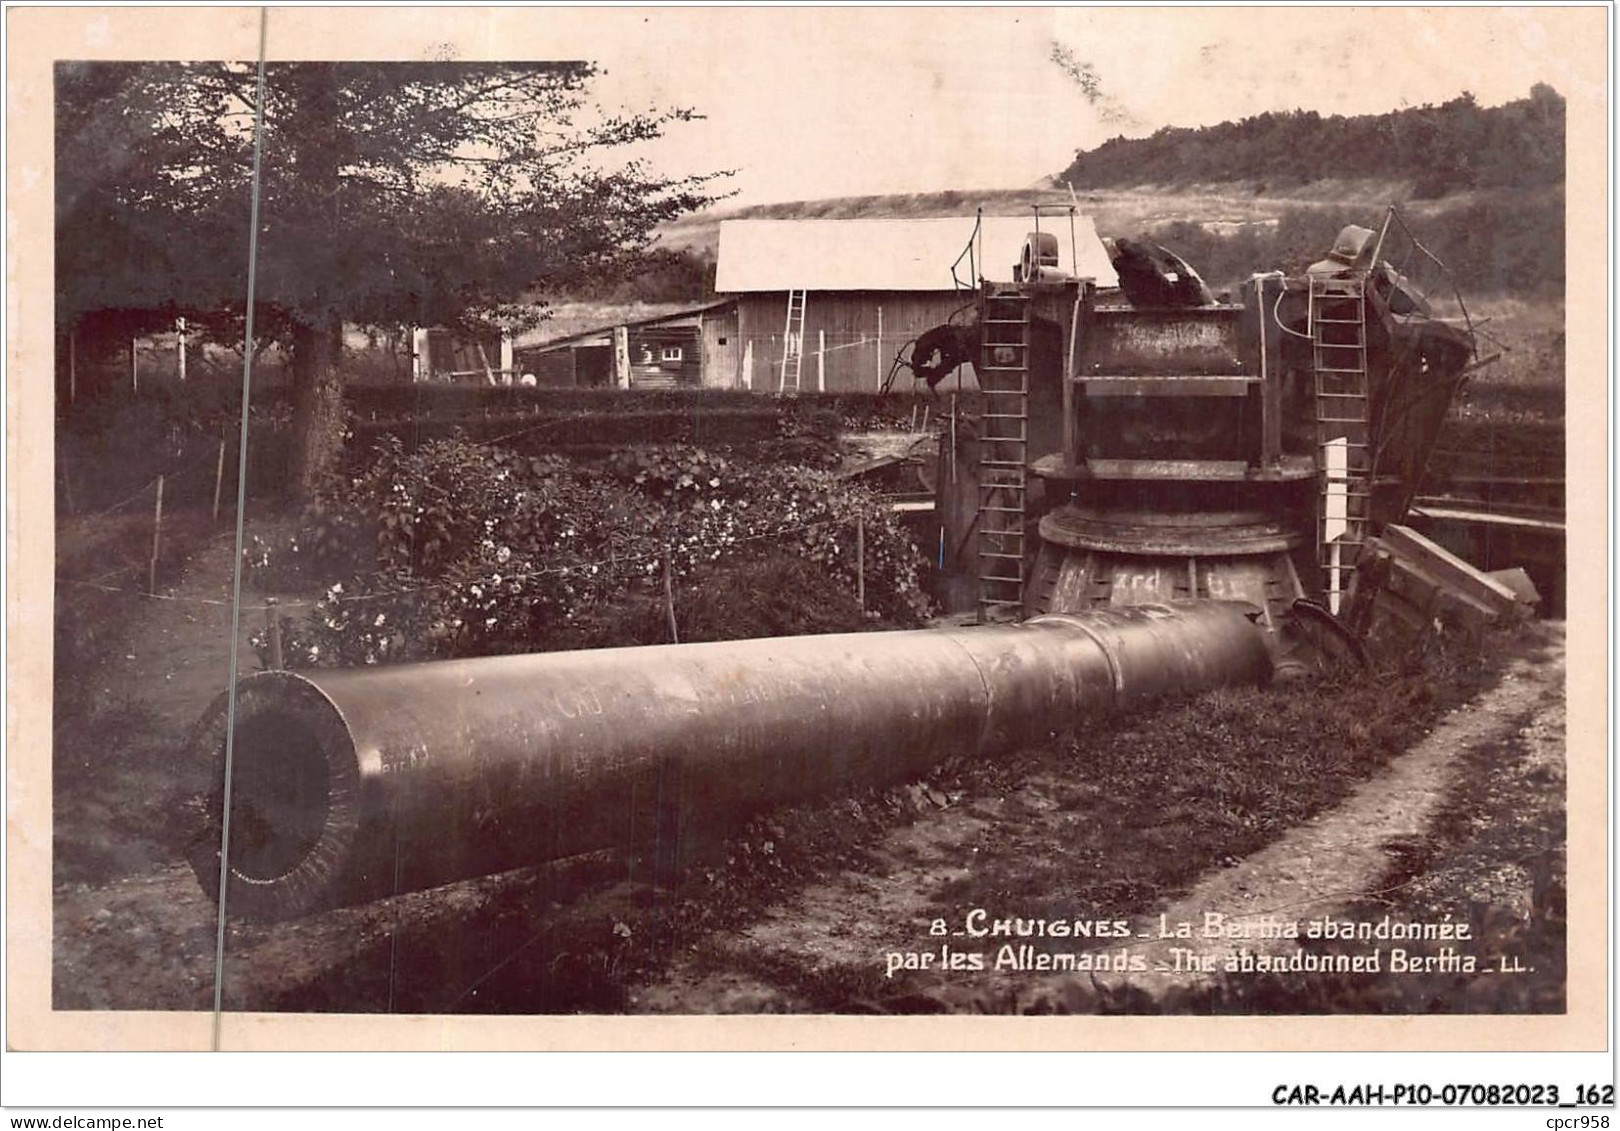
x=722, y=341
x=672, y=353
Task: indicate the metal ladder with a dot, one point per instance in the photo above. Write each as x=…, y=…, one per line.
x=1337, y=315
x=793, y=340
x=1003, y=372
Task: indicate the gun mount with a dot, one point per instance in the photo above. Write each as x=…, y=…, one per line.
x=1245, y=450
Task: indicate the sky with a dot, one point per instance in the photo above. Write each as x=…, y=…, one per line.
x=808, y=103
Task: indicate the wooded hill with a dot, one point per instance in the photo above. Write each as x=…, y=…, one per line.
x=1442, y=149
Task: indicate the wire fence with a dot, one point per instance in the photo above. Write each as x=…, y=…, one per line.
x=574, y=569
x=830, y=361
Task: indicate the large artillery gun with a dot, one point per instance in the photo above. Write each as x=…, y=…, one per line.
x=354, y=785
x=1156, y=444
x=1162, y=496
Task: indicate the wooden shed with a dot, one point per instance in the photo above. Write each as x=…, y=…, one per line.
x=685, y=349
x=870, y=287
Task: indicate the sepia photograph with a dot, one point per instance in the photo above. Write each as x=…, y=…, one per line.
x=836, y=512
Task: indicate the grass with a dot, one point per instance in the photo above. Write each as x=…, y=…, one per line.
x=1492, y=824
x=1171, y=793
x=1526, y=382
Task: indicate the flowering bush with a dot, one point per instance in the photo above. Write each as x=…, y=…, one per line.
x=459, y=549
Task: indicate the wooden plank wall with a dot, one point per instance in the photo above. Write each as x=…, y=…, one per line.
x=554, y=369
x=568, y=367
x=853, y=359
x=722, y=349
x=648, y=344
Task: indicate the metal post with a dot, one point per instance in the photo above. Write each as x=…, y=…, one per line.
x=134, y=368
x=1271, y=375
x=1067, y=389
x=73, y=364
x=1378, y=248
x=821, y=361
x=180, y=337
x=157, y=539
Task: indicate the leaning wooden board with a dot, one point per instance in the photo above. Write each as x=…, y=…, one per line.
x=1448, y=569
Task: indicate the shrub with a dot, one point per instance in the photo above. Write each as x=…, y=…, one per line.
x=458, y=549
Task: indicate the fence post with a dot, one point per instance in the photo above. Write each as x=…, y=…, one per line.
x=272, y=633
x=157, y=539
x=821, y=361
x=880, y=373
x=219, y=477
x=669, y=601
x=860, y=561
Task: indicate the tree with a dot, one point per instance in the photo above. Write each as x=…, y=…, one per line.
x=393, y=193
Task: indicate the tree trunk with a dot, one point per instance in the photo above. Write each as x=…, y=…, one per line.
x=318, y=416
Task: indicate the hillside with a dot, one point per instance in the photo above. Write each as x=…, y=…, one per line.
x=1496, y=240
x=1483, y=186
x=1456, y=146
x=1220, y=206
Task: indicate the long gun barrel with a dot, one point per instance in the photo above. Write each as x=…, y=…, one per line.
x=354, y=785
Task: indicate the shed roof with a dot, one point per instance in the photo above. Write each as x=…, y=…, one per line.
x=890, y=255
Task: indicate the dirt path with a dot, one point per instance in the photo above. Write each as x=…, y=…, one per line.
x=1318, y=869
x=175, y=644
x=131, y=925
x=849, y=931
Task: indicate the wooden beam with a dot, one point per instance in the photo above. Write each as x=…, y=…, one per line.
x=1446, y=568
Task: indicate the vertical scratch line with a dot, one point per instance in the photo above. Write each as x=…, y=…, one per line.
x=241, y=509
